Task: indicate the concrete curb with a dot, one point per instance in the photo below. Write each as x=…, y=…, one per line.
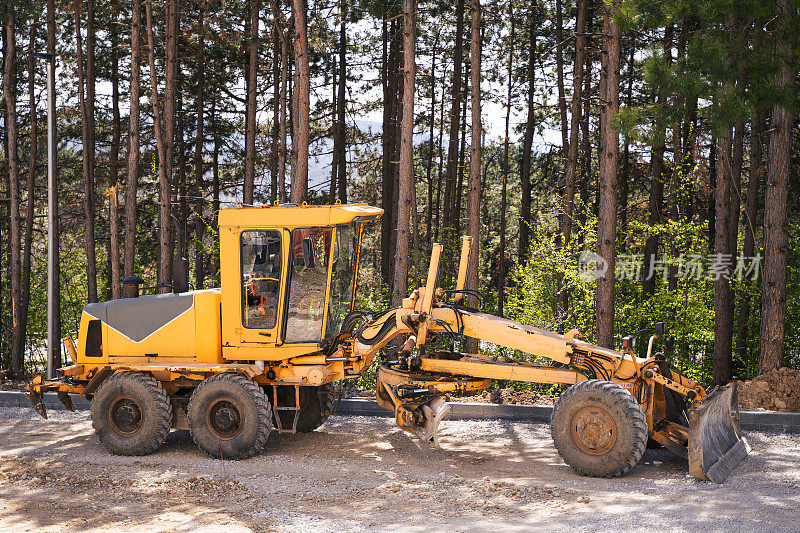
x=750, y=420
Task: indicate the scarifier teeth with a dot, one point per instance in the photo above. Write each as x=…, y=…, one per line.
x=37, y=400
x=716, y=446
x=65, y=400
x=433, y=413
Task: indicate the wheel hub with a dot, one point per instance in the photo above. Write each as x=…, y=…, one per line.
x=125, y=416
x=224, y=419
x=594, y=430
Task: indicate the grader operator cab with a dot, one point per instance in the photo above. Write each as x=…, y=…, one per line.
x=263, y=351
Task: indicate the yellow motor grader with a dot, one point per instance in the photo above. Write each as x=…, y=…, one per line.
x=262, y=352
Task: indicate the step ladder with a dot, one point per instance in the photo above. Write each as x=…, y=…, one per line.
x=278, y=408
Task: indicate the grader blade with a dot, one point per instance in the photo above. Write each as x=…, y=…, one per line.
x=433, y=412
x=716, y=445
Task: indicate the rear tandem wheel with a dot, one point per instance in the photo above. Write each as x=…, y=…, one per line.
x=131, y=413
x=599, y=429
x=316, y=404
x=229, y=416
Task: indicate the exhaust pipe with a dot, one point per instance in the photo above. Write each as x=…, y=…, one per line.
x=180, y=265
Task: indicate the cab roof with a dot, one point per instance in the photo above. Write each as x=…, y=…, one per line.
x=292, y=215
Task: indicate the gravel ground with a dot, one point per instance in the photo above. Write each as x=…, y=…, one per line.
x=357, y=474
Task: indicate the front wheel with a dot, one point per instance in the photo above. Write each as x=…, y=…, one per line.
x=599, y=429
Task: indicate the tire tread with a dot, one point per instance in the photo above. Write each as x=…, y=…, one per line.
x=619, y=398
x=163, y=410
x=263, y=408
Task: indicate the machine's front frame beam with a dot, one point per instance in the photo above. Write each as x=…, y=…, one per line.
x=497, y=370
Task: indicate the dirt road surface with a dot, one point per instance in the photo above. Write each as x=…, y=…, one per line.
x=357, y=474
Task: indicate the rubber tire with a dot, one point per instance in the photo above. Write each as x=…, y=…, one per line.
x=318, y=400
x=256, y=416
x=154, y=404
x=314, y=401
x=631, y=438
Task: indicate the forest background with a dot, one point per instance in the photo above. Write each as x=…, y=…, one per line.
x=620, y=162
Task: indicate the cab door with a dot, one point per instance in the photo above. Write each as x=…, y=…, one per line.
x=263, y=255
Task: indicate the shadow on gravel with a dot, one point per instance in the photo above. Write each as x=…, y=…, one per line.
x=55, y=474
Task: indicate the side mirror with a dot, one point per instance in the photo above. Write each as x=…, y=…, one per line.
x=660, y=329
x=308, y=253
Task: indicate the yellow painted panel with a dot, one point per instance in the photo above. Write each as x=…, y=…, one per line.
x=293, y=216
x=208, y=327
x=82, y=332
x=229, y=275
x=175, y=339
x=266, y=352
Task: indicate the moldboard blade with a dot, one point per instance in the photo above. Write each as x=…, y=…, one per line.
x=716, y=446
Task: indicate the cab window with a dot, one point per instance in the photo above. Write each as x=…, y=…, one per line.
x=261, y=277
x=344, y=270
x=309, y=279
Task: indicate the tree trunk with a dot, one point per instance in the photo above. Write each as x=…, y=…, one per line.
x=476, y=153
x=404, y=207
x=525, y=214
x=711, y=215
x=180, y=175
x=462, y=157
x=723, y=318
x=4, y=217
x=571, y=147
x=562, y=98
x=626, y=155
x=451, y=175
x=89, y=147
x=250, y=107
x=276, y=113
x=340, y=130
x=215, y=186
x=302, y=109
x=750, y=224
x=730, y=153
x=164, y=277
x=9, y=90
x=293, y=116
x=586, y=143
x=31, y=190
x=439, y=168
x=87, y=143
x=51, y=49
x=283, y=120
x=607, y=220
x=501, y=256
x=656, y=200
x=776, y=238
x=389, y=81
x=568, y=203
x=334, y=116
x=199, y=222
x=114, y=164
x=431, y=152
x=171, y=21
x=133, y=147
